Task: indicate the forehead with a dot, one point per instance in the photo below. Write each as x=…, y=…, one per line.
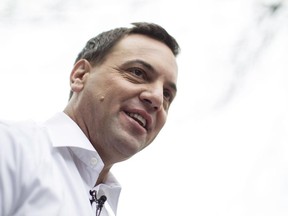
x=142, y=43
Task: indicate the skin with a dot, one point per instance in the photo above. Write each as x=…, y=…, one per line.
x=139, y=75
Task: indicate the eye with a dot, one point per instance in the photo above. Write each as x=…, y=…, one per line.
x=167, y=95
x=138, y=72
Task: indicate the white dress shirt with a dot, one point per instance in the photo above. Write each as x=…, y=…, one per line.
x=49, y=169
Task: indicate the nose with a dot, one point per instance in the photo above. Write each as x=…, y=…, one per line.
x=153, y=97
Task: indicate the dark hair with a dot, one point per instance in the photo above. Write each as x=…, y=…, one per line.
x=97, y=48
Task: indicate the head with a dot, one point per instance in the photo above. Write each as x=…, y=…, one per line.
x=122, y=85
x=97, y=48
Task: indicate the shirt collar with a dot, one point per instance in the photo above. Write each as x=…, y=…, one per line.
x=64, y=132
x=111, y=189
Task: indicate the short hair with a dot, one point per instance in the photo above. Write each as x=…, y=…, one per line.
x=97, y=48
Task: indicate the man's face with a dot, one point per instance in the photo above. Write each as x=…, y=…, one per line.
x=125, y=100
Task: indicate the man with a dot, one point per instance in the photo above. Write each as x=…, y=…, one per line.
x=122, y=85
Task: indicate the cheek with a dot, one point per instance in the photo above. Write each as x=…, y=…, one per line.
x=99, y=89
x=161, y=120
x=111, y=86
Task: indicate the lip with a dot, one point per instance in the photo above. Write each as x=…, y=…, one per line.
x=144, y=114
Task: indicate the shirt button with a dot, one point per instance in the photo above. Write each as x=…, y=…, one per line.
x=93, y=161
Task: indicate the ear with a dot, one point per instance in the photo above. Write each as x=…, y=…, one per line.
x=78, y=75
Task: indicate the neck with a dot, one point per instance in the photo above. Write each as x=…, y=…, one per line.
x=103, y=175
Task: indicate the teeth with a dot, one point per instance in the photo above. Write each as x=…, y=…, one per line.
x=139, y=118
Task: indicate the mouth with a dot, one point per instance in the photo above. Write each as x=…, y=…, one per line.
x=138, y=118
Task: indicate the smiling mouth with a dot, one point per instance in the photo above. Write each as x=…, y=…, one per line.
x=138, y=118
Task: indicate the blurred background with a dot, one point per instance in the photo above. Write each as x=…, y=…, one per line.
x=224, y=148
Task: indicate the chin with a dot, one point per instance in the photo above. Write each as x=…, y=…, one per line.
x=130, y=149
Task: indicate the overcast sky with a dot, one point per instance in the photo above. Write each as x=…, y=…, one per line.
x=224, y=149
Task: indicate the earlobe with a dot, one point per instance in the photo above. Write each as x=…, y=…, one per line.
x=78, y=75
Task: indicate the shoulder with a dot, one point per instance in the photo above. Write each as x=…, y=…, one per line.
x=16, y=133
x=22, y=142
x=19, y=159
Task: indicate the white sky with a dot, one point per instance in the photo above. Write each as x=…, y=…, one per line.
x=224, y=149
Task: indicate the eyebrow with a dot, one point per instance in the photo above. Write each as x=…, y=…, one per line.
x=151, y=68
